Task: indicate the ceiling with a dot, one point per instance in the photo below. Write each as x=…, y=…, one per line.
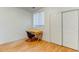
x=31, y=9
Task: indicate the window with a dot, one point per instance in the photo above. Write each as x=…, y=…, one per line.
x=38, y=19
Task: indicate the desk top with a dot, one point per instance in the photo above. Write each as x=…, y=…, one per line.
x=35, y=30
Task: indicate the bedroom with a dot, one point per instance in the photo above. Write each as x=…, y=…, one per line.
x=15, y=21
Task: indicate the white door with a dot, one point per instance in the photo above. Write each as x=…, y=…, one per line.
x=70, y=29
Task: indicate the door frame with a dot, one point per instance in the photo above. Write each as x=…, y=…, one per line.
x=62, y=24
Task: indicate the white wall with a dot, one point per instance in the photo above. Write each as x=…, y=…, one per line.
x=55, y=23
x=13, y=24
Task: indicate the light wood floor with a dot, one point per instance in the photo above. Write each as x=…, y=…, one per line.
x=36, y=46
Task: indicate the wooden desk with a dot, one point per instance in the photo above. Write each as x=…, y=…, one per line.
x=38, y=33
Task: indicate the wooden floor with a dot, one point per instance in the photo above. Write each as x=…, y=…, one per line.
x=36, y=46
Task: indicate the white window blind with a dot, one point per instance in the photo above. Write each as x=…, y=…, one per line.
x=38, y=19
